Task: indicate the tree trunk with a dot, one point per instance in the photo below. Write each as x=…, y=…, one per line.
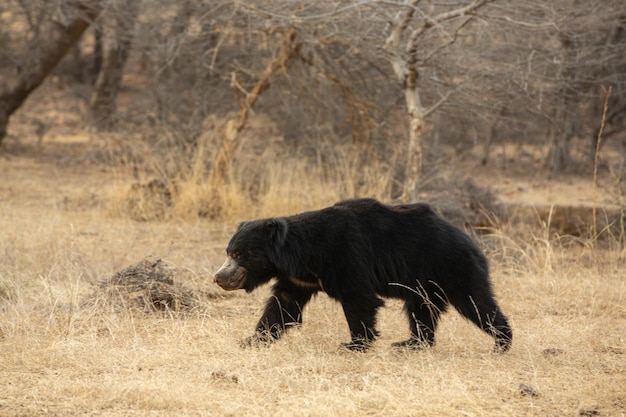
x=558, y=158
x=413, y=169
x=60, y=40
x=101, y=111
x=417, y=120
x=97, y=55
x=492, y=134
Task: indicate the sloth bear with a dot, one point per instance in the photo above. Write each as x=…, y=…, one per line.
x=356, y=252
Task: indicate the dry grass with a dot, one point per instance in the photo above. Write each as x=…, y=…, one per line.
x=261, y=180
x=60, y=355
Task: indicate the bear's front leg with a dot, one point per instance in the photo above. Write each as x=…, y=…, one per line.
x=283, y=310
x=361, y=317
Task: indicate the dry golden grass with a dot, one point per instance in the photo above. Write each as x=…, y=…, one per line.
x=59, y=355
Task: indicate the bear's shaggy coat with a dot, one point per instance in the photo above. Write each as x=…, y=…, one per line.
x=358, y=251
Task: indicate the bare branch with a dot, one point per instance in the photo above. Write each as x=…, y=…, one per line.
x=440, y=18
x=441, y=101
x=470, y=8
x=402, y=18
x=444, y=45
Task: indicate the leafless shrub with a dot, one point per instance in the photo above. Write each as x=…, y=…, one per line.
x=463, y=202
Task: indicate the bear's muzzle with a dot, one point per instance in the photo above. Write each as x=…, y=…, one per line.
x=231, y=276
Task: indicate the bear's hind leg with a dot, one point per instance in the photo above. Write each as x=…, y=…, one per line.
x=423, y=318
x=501, y=331
x=361, y=317
x=484, y=312
x=283, y=310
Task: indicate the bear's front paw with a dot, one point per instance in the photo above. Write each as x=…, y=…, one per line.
x=357, y=345
x=257, y=340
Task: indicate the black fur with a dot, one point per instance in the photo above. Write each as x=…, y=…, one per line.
x=358, y=251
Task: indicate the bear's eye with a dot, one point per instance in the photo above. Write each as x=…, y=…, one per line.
x=236, y=256
x=252, y=255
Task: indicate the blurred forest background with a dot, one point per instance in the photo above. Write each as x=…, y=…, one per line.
x=389, y=82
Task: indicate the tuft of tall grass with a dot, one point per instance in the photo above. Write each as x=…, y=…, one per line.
x=254, y=186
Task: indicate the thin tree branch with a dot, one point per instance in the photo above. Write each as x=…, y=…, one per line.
x=441, y=101
x=448, y=43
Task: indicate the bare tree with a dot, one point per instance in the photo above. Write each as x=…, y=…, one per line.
x=53, y=30
x=571, y=52
x=122, y=17
x=417, y=34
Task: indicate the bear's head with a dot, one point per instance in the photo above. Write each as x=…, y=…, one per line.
x=252, y=254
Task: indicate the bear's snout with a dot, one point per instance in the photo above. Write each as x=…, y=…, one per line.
x=231, y=276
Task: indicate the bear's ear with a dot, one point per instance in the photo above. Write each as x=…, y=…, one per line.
x=277, y=229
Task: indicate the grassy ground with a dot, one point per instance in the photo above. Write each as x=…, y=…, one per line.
x=61, y=353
